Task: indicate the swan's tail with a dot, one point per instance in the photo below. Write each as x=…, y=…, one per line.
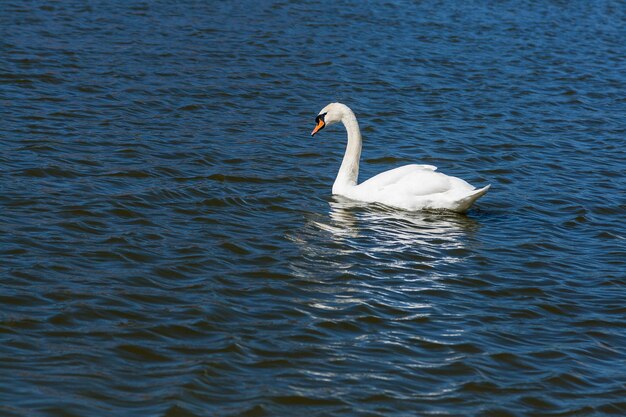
x=466, y=202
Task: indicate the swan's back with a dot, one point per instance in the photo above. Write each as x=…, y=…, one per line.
x=415, y=187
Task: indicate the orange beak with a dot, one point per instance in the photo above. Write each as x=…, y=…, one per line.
x=320, y=125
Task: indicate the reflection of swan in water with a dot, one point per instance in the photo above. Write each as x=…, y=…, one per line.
x=391, y=228
x=375, y=255
x=385, y=241
x=384, y=274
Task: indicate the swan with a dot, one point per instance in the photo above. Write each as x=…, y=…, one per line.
x=410, y=187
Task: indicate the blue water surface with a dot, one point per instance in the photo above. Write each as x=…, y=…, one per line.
x=169, y=244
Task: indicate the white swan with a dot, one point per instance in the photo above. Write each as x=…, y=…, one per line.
x=411, y=187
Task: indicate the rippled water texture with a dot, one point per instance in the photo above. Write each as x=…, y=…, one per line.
x=169, y=245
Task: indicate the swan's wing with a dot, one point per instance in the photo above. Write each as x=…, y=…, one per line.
x=416, y=187
x=419, y=183
x=410, y=185
x=395, y=175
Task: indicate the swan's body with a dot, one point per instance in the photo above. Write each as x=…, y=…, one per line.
x=411, y=187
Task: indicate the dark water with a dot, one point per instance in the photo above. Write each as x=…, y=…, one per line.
x=169, y=245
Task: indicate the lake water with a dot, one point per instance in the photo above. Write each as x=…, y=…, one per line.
x=169, y=245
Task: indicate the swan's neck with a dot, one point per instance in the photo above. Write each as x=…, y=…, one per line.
x=349, y=171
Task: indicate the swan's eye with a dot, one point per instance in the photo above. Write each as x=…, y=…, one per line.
x=320, y=117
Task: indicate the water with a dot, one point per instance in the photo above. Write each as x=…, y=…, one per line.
x=170, y=247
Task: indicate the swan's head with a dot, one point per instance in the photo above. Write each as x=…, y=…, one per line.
x=329, y=115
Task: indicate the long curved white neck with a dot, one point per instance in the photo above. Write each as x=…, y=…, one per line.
x=348, y=174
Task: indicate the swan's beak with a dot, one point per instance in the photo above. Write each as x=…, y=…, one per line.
x=320, y=126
